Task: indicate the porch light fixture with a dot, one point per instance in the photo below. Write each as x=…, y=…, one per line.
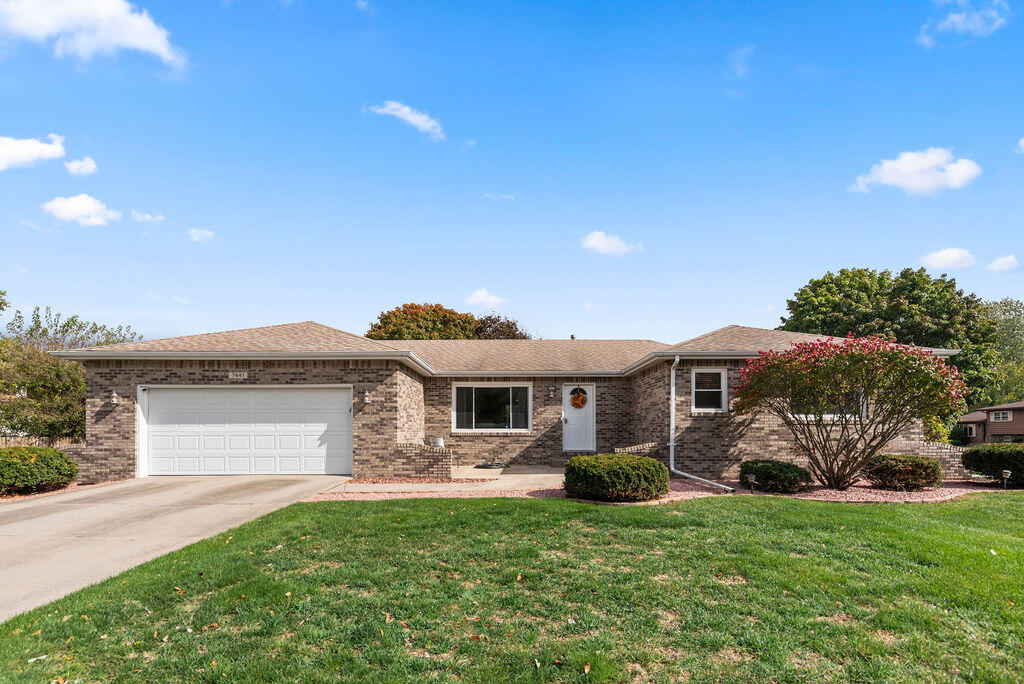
x=1006, y=477
x=114, y=398
x=551, y=392
x=366, y=397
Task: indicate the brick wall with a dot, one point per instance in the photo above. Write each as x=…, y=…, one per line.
x=543, y=446
x=410, y=406
x=109, y=453
x=412, y=459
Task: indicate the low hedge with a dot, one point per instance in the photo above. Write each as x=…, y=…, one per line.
x=774, y=476
x=24, y=470
x=993, y=459
x=615, y=477
x=907, y=473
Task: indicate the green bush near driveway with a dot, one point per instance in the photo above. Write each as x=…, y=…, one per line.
x=907, y=473
x=615, y=477
x=24, y=470
x=993, y=459
x=774, y=476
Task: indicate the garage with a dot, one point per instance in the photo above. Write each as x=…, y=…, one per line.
x=245, y=430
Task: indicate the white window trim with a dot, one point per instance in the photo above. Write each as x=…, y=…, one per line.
x=969, y=431
x=1009, y=417
x=693, y=391
x=495, y=431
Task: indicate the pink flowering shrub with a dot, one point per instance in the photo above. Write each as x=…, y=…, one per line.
x=844, y=400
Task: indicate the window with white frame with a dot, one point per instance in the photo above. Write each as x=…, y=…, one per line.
x=491, y=408
x=806, y=404
x=1001, y=416
x=710, y=390
x=969, y=431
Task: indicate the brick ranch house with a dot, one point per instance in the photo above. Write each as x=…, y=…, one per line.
x=1002, y=423
x=308, y=398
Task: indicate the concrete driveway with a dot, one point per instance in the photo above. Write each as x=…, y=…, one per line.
x=53, y=545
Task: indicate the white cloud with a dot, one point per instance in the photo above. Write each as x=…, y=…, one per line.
x=200, y=235
x=1003, y=263
x=144, y=217
x=26, y=152
x=504, y=196
x=965, y=17
x=484, y=299
x=610, y=245
x=469, y=144
x=421, y=121
x=1020, y=146
x=180, y=300
x=950, y=257
x=86, y=28
x=33, y=226
x=86, y=210
x=920, y=173
x=739, y=60
x=81, y=167
x=362, y=5
x=20, y=270
x=590, y=306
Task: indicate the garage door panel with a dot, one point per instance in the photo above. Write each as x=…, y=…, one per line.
x=230, y=430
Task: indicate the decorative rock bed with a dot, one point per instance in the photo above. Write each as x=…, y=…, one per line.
x=681, y=489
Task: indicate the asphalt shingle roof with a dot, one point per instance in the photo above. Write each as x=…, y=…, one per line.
x=289, y=337
x=529, y=355
x=740, y=338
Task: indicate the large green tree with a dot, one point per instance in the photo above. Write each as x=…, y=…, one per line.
x=1008, y=379
x=436, y=322
x=46, y=330
x=41, y=395
x=911, y=307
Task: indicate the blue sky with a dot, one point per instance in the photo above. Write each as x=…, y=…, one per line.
x=603, y=169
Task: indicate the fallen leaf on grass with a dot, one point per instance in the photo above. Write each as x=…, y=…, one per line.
x=537, y=663
x=181, y=592
x=32, y=660
x=586, y=669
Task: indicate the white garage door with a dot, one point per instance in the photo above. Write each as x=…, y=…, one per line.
x=227, y=431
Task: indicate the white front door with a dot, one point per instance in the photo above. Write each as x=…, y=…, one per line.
x=250, y=430
x=579, y=428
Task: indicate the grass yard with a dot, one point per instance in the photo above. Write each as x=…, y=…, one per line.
x=727, y=588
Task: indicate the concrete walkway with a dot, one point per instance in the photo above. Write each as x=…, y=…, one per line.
x=512, y=478
x=52, y=545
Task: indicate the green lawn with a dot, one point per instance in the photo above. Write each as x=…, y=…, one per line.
x=727, y=588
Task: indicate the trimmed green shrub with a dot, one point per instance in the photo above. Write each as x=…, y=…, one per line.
x=615, y=477
x=774, y=476
x=34, y=469
x=993, y=459
x=908, y=473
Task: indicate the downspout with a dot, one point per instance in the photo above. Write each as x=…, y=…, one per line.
x=672, y=433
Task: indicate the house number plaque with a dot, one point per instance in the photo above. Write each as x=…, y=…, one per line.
x=238, y=375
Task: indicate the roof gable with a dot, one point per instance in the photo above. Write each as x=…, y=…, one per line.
x=740, y=338
x=307, y=336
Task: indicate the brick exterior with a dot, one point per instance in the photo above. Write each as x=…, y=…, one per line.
x=410, y=407
x=412, y=460
x=110, y=428
x=543, y=446
x=404, y=408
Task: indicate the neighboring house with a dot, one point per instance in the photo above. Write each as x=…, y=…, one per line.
x=1001, y=423
x=307, y=398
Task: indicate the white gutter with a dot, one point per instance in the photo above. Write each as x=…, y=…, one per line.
x=407, y=357
x=672, y=433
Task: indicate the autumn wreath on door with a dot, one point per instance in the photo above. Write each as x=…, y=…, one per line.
x=578, y=398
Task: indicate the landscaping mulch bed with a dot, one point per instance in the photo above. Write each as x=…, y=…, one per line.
x=417, y=480
x=949, y=490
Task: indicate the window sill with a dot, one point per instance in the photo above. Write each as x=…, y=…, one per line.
x=708, y=412
x=492, y=432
